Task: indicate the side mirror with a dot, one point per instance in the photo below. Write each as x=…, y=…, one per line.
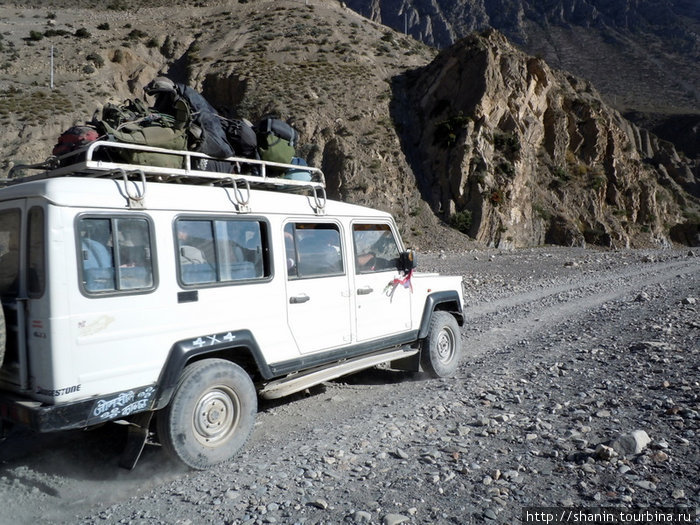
x=407, y=261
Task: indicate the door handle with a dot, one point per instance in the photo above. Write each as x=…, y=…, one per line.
x=366, y=290
x=298, y=299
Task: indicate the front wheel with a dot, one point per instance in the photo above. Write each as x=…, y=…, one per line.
x=211, y=414
x=441, y=350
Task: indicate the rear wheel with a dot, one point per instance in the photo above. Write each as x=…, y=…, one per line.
x=211, y=414
x=442, y=348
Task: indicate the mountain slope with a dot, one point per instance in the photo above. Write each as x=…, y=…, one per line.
x=354, y=89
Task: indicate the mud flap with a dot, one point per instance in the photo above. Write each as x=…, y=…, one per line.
x=135, y=439
x=407, y=364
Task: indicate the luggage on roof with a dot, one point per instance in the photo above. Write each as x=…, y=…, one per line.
x=73, y=138
x=206, y=133
x=276, y=140
x=241, y=135
x=182, y=119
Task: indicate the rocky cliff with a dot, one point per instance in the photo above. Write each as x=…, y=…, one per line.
x=516, y=153
x=642, y=55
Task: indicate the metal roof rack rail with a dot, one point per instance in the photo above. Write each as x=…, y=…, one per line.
x=104, y=159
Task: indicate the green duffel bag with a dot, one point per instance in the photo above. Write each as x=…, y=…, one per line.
x=276, y=149
x=276, y=142
x=153, y=135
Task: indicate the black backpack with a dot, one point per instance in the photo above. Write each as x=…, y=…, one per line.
x=241, y=136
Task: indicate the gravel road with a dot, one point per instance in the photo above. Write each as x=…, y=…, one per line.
x=579, y=388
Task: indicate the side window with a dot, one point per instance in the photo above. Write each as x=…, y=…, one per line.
x=36, y=274
x=240, y=249
x=115, y=254
x=195, y=245
x=290, y=250
x=221, y=251
x=375, y=248
x=9, y=251
x=313, y=250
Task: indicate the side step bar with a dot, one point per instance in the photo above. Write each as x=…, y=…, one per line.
x=294, y=383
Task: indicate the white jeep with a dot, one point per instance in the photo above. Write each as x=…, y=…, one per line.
x=132, y=291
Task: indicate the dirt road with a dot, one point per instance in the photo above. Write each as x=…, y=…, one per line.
x=567, y=353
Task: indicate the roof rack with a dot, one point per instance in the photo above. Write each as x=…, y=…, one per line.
x=105, y=159
x=97, y=160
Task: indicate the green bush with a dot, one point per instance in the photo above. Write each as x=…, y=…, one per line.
x=82, y=33
x=118, y=57
x=506, y=168
x=35, y=36
x=508, y=143
x=461, y=221
x=56, y=32
x=447, y=131
x=560, y=173
x=136, y=34
x=96, y=59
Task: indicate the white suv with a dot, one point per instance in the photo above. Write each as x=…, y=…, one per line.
x=134, y=291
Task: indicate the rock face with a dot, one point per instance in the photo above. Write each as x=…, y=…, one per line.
x=637, y=38
x=438, y=21
x=651, y=48
x=516, y=153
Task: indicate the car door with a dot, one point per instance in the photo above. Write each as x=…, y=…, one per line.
x=318, y=295
x=13, y=293
x=22, y=286
x=382, y=293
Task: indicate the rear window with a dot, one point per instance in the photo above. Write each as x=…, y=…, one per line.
x=9, y=251
x=36, y=274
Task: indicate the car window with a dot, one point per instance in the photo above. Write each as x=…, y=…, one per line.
x=221, y=250
x=115, y=254
x=36, y=274
x=313, y=250
x=375, y=248
x=9, y=251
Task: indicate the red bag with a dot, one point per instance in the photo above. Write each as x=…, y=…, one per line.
x=74, y=138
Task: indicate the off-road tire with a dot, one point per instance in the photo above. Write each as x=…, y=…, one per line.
x=210, y=415
x=441, y=350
